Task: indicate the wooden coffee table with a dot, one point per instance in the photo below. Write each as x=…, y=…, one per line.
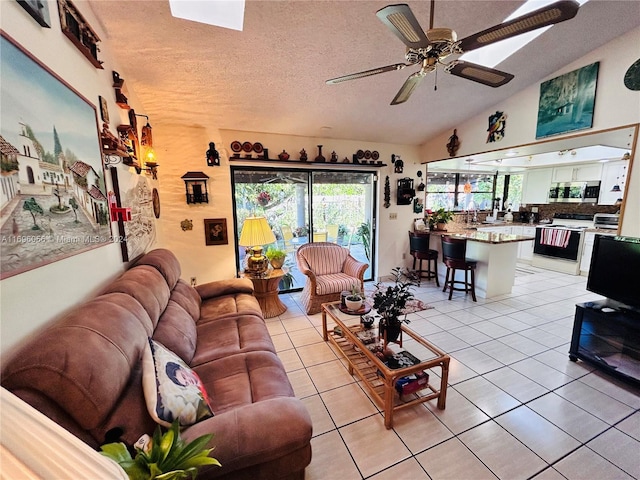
x=265, y=290
x=376, y=375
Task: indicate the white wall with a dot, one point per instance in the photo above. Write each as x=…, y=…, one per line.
x=30, y=300
x=615, y=106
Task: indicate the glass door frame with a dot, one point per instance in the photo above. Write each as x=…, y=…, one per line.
x=309, y=173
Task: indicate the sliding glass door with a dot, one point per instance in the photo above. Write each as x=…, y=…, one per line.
x=308, y=205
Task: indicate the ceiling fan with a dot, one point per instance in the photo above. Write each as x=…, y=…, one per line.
x=430, y=49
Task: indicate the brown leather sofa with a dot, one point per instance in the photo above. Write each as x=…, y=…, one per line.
x=85, y=370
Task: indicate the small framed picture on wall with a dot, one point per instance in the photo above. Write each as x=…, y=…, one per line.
x=215, y=231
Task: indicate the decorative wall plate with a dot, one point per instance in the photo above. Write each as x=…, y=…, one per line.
x=247, y=147
x=367, y=154
x=257, y=147
x=360, y=154
x=632, y=76
x=375, y=155
x=236, y=146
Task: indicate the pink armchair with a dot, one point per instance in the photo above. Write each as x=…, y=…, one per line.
x=330, y=269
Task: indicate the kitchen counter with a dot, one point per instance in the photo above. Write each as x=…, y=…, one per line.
x=496, y=254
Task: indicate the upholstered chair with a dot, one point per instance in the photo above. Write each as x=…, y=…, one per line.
x=330, y=269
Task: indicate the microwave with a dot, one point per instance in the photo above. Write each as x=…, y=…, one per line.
x=574, y=192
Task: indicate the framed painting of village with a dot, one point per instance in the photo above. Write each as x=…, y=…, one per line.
x=53, y=195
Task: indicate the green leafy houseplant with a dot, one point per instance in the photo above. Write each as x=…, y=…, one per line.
x=440, y=217
x=276, y=257
x=391, y=300
x=167, y=457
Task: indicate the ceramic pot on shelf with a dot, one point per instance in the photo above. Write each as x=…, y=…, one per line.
x=283, y=156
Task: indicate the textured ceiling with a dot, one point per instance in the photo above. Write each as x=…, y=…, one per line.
x=270, y=77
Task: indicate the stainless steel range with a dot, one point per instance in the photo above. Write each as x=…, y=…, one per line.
x=558, y=246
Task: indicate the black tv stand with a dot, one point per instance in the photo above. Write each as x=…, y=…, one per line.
x=607, y=335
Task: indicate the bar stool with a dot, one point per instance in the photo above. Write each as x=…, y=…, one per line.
x=454, y=251
x=419, y=249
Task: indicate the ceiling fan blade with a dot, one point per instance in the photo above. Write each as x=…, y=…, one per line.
x=408, y=87
x=367, y=73
x=551, y=14
x=478, y=73
x=403, y=23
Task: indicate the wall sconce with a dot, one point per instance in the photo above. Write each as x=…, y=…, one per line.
x=256, y=233
x=194, y=183
x=213, y=157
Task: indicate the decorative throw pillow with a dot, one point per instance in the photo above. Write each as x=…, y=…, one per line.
x=171, y=389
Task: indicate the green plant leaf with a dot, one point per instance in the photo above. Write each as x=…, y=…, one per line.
x=116, y=451
x=193, y=449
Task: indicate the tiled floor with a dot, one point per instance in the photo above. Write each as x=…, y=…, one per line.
x=516, y=406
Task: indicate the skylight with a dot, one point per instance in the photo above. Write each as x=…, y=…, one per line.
x=221, y=13
x=494, y=54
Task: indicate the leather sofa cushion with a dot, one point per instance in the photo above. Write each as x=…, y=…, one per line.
x=147, y=286
x=229, y=306
x=83, y=363
x=229, y=335
x=165, y=262
x=176, y=330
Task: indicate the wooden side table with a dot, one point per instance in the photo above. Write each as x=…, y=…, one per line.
x=266, y=291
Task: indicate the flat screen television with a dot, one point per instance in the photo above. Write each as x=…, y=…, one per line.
x=615, y=269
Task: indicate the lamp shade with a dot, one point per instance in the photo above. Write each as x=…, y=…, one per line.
x=256, y=231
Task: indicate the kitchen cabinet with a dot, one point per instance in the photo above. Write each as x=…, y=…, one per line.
x=583, y=173
x=525, y=249
x=587, y=250
x=608, y=338
x=536, y=183
x=613, y=173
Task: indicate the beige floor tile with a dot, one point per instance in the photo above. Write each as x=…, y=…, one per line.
x=501, y=453
x=572, y=419
x=586, y=464
x=330, y=459
x=408, y=469
x=501, y=352
x=329, y=375
x=315, y=354
x=348, y=404
x=595, y=402
x=301, y=383
x=540, y=373
x=275, y=327
x=372, y=446
x=561, y=362
x=459, y=372
x=290, y=360
x=623, y=392
x=419, y=429
x=549, y=474
x=631, y=426
x=620, y=449
x=476, y=360
x=452, y=460
x=320, y=417
x=486, y=396
x=540, y=435
x=460, y=414
x=282, y=342
x=296, y=323
x=515, y=384
x=306, y=336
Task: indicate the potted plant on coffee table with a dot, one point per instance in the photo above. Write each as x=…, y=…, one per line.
x=354, y=300
x=390, y=302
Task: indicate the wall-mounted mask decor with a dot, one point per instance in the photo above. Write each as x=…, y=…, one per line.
x=213, y=157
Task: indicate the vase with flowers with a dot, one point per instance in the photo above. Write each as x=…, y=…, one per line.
x=390, y=302
x=264, y=198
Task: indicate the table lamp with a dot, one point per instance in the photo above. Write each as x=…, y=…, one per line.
x=256, y=233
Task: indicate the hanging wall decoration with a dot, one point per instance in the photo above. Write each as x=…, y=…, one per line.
x=55, y=202
x=567, y=102
x=39, y=10
x=213, y=157
x=453, y=144
x=497, y=125
x=387, y=192
x=215, y=231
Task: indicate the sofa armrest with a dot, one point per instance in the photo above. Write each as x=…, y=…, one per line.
x=255, y=433
x=225, y=287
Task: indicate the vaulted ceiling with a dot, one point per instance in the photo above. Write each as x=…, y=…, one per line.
x=271, y=76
